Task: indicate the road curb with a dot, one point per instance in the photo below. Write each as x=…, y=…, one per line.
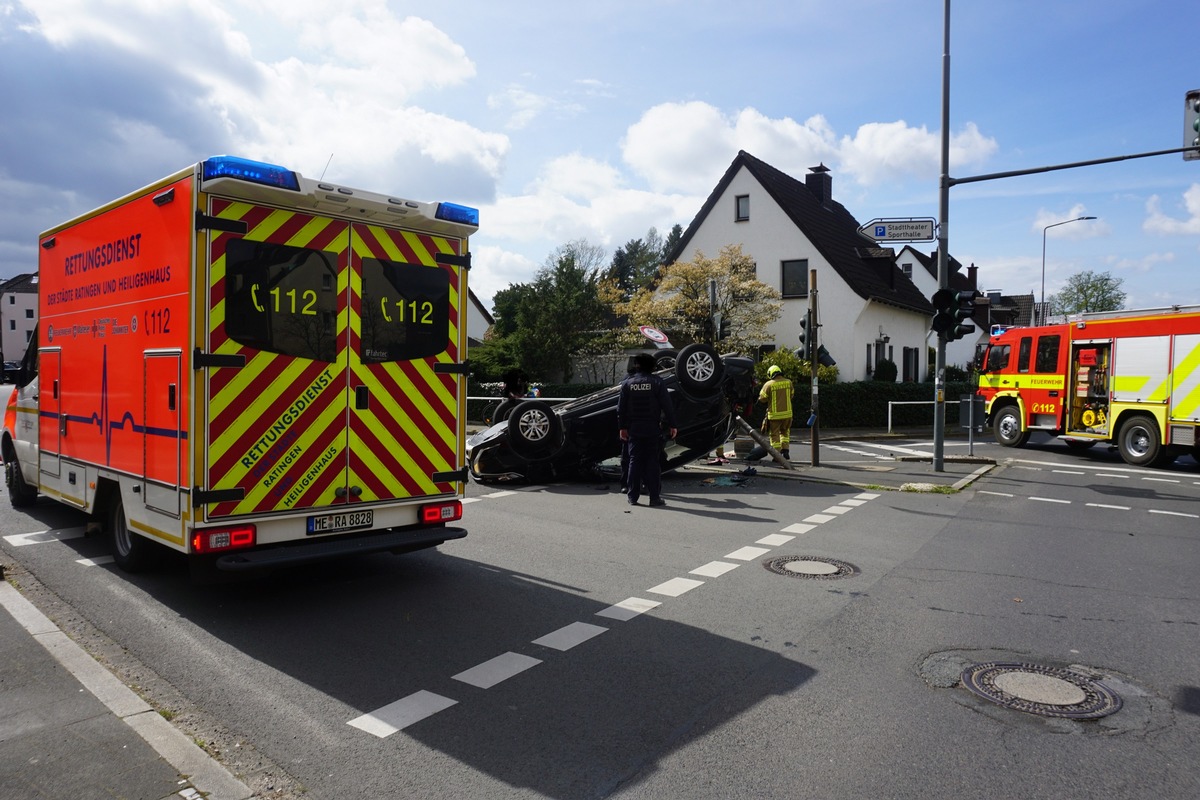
x=204, y=772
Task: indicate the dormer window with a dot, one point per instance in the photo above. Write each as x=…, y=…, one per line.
x=741, y=211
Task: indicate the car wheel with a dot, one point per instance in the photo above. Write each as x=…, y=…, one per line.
x=665, y=359
x=534, y=430
x=1138, y=441
x=1006, y=427
x=504, y=409
x=699, y=369
x=20, y=493
x=131, y=552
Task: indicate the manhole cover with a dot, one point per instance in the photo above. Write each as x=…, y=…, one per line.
x=817, y=567
x=1037, y=689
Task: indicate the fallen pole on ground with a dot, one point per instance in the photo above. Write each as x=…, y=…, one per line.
x=763, y=441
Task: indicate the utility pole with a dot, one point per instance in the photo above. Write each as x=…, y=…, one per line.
x=814, y=361
x=943, y=267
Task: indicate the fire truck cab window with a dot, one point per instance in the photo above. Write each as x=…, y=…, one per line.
x=280, y=299
x=405, y=311
x=1023, y=354
x=998, y=357
x=1047, y=354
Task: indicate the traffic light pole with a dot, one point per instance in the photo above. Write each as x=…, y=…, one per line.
x=943, y=268
x=814, y=360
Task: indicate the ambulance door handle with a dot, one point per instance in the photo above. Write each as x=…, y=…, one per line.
x=170, y=397
x=362, y=397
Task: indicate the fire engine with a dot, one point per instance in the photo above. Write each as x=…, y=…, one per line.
x=250, y=367
x=1126, y=378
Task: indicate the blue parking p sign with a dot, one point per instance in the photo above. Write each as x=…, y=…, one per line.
x=881, y=231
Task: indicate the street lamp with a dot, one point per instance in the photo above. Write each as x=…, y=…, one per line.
x=1048, y=227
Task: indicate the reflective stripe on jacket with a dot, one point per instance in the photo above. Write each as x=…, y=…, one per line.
x=779, y=392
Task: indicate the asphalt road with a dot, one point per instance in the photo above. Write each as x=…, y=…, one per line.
x=571, y=647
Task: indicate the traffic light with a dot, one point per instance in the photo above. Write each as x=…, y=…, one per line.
x=951, y=310
x=805, y=336
x=823, y=357
x=722, y=327
x=1191, y=124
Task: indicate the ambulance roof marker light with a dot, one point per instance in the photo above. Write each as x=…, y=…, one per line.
x=251, y=171
x=452, y=212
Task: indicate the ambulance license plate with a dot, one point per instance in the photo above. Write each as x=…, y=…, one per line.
x=345, y=521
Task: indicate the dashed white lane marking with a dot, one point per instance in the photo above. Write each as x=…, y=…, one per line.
x=504, y=493
x=397, y=716
x=1051, y=500
x=628, y=608
x=1175, y=514
x=748, y=553
x=891, y=449
x=1110, y=507
x=1163, y=480
x=676, y=587
x=996, y=494
x=714, y=569
x=496, y=670
x=95, y=562
x=1069, y=471
x=1112, y=475
x=569, y=636
x=41, y=537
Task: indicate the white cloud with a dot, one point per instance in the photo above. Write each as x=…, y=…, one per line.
x=522, y=106
x=1063, y=225
x=1158, y=222
x=887, y=151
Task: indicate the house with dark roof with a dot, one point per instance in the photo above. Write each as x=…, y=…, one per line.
x=868, y=309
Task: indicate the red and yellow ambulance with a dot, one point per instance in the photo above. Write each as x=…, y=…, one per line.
x=250, y=367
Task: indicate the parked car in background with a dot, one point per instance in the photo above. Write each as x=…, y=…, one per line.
x=541, y=442
x=11, y=368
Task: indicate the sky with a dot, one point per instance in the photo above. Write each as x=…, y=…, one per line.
x=566, y=121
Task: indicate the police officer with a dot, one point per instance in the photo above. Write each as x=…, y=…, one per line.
x=777, y=391
x=641, y=408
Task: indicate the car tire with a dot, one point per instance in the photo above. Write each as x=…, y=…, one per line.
x=699, y=370
x=504, y=409
x=1006, y=427
x=1138, y=442
x=131, y=552
x=20, y=493
x=534, y=430
x=665, y=359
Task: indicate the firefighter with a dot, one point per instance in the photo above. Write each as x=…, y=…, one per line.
x=777, y=392
x=642, y=406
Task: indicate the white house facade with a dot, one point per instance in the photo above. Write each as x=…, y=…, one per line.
x=868, y=309
x=18, y=315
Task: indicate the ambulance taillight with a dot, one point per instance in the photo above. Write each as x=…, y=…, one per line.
x=436, y=513
x=213, y=540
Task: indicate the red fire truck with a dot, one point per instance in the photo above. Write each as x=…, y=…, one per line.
x=1127, y=378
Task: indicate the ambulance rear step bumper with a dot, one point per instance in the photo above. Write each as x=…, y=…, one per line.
x=399, y=540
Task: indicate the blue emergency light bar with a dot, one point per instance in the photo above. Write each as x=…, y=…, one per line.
x=452, y=212
x=252, y=171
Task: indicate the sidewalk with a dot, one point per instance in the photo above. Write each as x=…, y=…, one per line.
x=70, y=729
x=899, y=468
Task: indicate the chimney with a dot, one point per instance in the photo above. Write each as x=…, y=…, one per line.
x=820, y=184
x=973, y=277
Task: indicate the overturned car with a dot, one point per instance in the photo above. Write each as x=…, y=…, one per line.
x=540, y=442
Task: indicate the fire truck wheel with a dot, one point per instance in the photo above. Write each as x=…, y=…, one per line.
x=1139, y=441
x=131, y=552
x=1007, y=427
x=20, y=493
x=534, y=430
x=699, y=369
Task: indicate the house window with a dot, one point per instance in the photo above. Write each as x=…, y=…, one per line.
x=29, y=313
x=741, y=208
x=12, y=299
x=794, y=279
x=907, y=270
x=912, y=358
x=12, y=324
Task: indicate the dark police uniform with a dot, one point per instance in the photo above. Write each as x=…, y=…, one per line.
x=641, y=408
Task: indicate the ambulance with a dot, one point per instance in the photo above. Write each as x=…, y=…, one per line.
x=250, y=367
x=1129, y=379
